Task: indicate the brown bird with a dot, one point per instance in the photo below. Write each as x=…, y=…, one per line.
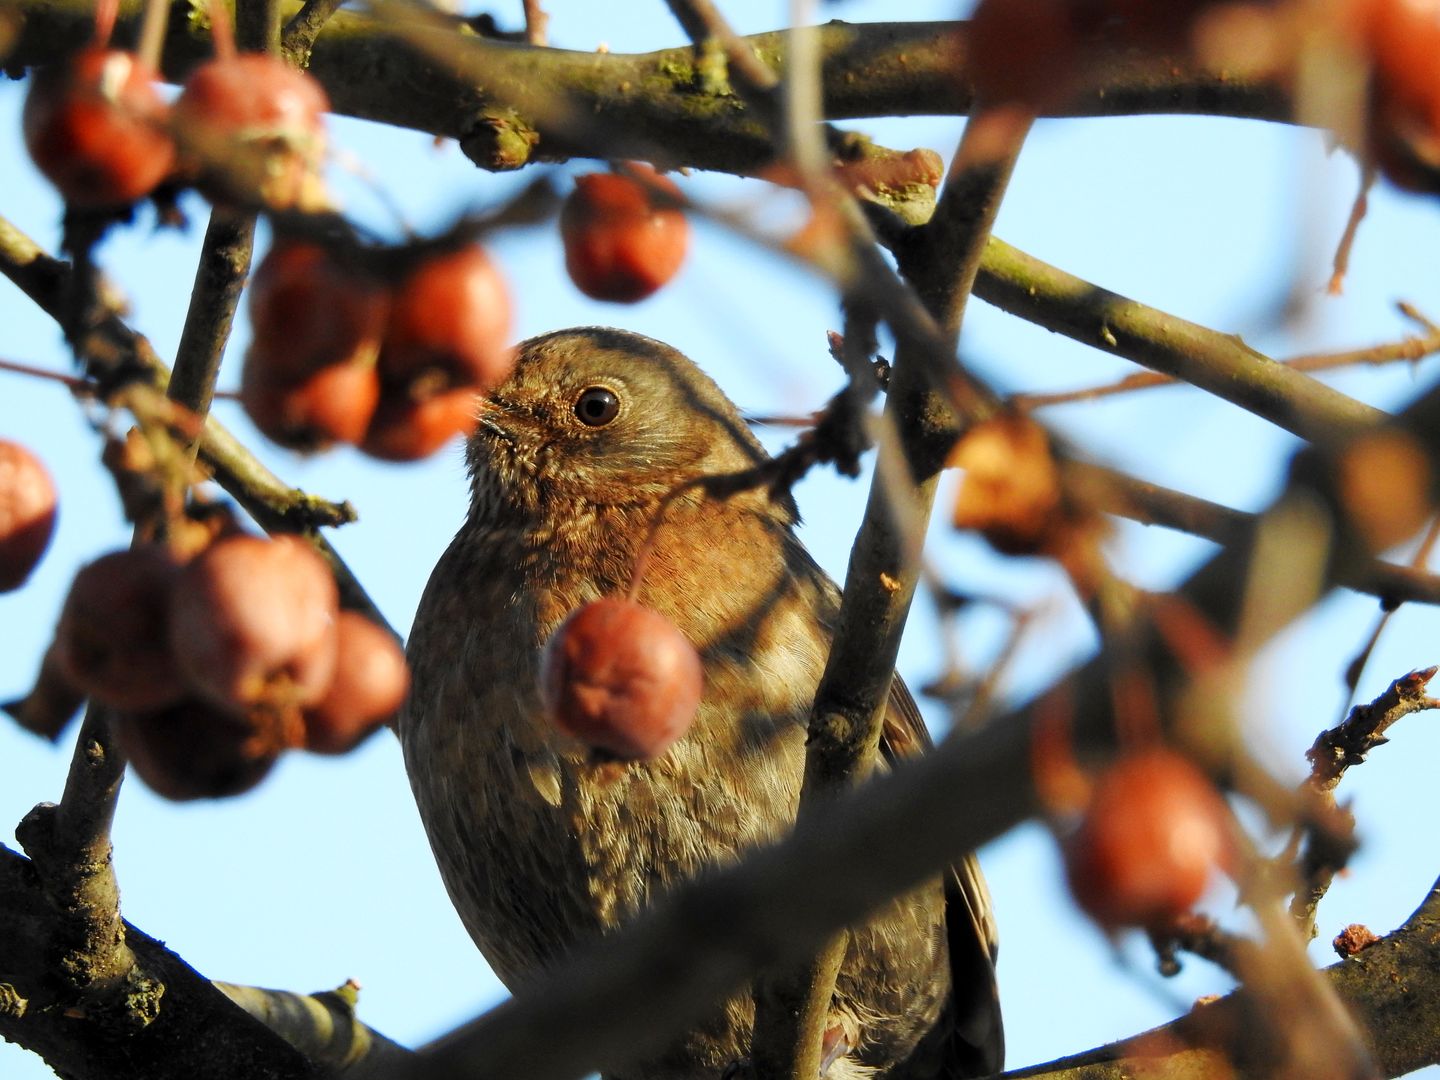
x=542, y=851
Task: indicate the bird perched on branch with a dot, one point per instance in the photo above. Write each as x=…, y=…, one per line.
x=542, y=850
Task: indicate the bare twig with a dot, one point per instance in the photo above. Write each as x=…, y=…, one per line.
x=1347, y=744
x=1358, y=208
x=536, y=23
x=850, y=702
x=257, y=25
x=1118, y=493
x=1418, y=561
x=1197, y=934
x=219, y=278
x=702, y=22
x=70, y=382
x=1334, y=751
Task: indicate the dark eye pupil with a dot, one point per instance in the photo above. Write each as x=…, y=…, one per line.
x=597, y=406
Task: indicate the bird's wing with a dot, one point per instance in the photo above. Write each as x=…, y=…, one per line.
x=974, y=1042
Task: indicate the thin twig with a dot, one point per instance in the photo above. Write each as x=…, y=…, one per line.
x=1418, y=562
x=847, y=719
x=1334, y=751
x=71, y=382
x=1346, y=745
x=152, y=33
x=536, y=23
x=1199, y=935
x=701, y=20
x=1341, y=263
x=1118, y=493
x=220, y=276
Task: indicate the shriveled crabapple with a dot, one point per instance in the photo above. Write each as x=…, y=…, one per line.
x=27, y=513
x=370, y=682
x=113, y=641
x=96, y=126
x=622, y=243
x=253, y=623
x=621, y=678
x=1155, y=832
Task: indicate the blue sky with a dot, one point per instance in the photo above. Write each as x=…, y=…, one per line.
x=323, y=873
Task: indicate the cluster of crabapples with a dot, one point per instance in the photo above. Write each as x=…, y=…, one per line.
x=215, y=665
x=245, y=126
x=385, y=362
x=342, y=356
x=1033, y=53
x=215, y=662
x=212, y=661
x=389, y=360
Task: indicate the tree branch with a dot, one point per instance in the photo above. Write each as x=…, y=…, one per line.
x=195, y=1032
x=1219, y=363
x=660, y=101
x=1411, y=349
x=219, y=278
x=1123, y=495
x=1392, y=987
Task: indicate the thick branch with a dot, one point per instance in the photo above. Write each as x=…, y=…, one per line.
x=92, y=964
x=1392, y=988
x=323, y=1027
x=1127, y=496
x=196, y=1033
x=1220, y=363
x=660, y=99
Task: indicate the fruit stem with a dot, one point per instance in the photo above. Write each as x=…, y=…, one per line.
x=152, y=32
x=222, y=30
x=45, y=373
x=106, y=12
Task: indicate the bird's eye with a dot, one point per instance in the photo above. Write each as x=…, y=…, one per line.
x=596, y=406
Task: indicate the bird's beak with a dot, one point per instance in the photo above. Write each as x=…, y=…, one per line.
x=488, y=422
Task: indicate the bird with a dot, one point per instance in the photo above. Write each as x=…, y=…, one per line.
x=574, y=456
